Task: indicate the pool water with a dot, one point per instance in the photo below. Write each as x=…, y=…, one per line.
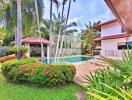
x=71, y=59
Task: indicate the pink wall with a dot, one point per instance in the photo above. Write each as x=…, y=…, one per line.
x=111, y=29
x=109, y=47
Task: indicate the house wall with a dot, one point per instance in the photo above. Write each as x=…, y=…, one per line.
x=110, y=29
x=110, y=47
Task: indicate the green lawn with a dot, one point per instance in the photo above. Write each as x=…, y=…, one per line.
x=10, y=91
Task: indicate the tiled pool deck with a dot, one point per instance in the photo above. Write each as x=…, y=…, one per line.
x=84, y=68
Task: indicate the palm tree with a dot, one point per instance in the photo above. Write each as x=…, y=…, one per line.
x=56, y=22
x=68, y=12
x=19, y=24
x=62, y=14
x=28, y=16
x=37, y=16
x=50, y=31
x=56, y=26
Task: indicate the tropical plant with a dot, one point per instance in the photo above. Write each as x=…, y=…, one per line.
x=67, y=18
x=50, y=28
x=56, y=26
x=87, y=36
x=19, y=25
x=106, y=76
x=62, y=14
x=2, y=35
x=28, y=16
x=123, y=66
x=13, y=50
x=116, y=94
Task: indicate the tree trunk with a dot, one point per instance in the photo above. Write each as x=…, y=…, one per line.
x=69, y=7
x=42, y=48
x=57, y=47
x=19, y=24
x=50, y=33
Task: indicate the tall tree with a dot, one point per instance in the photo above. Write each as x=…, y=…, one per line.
x=68, y=12
x=58, y=41
x=88, y=34
x=38, y=24
x=28, y=16
x=19, y=24
x=56, y=26
x=50, y=31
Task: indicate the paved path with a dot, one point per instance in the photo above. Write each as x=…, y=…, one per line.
x=83, y=68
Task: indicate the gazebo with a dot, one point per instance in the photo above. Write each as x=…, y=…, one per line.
x=37, y=40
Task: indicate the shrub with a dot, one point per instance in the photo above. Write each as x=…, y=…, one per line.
x=35, y=72
x=120, y=94
x=8, y=65
x=13, y=50
x=10, y=52
x=22, y=48
x=113, y=84
x=107, y=76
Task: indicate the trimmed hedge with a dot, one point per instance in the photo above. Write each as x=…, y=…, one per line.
x=35, y=72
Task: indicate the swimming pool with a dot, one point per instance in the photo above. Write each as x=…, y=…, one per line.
x=71, y=59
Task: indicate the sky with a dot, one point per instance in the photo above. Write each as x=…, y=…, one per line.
x=83, y=11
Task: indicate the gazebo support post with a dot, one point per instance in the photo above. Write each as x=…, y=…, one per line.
x=28, y=52
x=42, y=51
x=48, y=60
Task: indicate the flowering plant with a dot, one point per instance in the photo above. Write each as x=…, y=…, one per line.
x=35, y=72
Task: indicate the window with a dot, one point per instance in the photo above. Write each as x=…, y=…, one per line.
x=124, y=45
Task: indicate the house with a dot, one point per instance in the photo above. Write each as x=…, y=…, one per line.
x=113, y=38
x=116, y=34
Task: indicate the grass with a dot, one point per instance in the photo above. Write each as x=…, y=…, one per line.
x=10, y=91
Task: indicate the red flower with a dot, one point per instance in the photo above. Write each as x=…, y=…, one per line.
x=46, y=72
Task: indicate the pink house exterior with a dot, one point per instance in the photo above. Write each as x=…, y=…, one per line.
x=113, y=38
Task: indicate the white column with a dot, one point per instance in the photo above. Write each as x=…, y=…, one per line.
x=48, y=53
x=28, y=52
x=42, y=51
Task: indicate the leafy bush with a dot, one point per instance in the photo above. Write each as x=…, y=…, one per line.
x=107, y=76
x=10, y=52
x=22, y=48
x=13, y=50
x=123, y=66
x=119, y=94
x=101, y=84
x=35, y=72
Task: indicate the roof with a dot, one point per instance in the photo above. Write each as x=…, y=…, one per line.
x=98, y=27
x=112, y=37
x=121, y=9
x=35, y=40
